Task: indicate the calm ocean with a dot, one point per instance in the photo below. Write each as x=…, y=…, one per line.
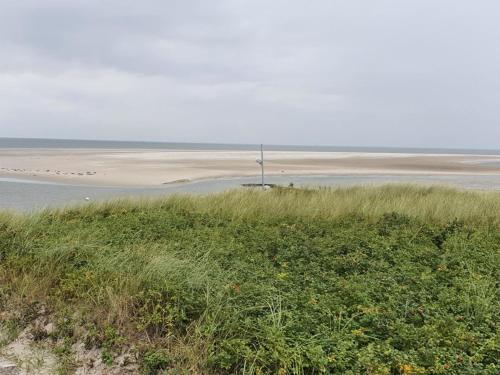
x=70, y=143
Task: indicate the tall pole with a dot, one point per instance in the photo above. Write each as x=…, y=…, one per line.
x=262, y=164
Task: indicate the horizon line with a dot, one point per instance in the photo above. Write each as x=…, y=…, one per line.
x=249, y=144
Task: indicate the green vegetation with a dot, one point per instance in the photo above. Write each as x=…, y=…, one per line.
x=365, y=280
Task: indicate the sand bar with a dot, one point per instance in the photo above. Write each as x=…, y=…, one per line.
x=132, y=167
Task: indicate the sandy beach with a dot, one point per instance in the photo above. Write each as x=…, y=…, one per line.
x=132, y=167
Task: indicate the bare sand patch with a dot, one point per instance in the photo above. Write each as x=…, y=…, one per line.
x=129, y=167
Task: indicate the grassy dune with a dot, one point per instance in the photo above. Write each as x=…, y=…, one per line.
x=368, y=280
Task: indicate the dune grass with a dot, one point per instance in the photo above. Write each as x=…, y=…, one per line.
x=378, y=280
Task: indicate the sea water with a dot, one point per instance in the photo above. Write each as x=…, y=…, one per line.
x=73, y=143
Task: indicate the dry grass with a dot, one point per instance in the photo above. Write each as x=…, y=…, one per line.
x=434, y=203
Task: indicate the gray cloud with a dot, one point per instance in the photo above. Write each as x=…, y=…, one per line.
x=394, y=73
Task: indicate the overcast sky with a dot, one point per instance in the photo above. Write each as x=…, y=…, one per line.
x=416, y=73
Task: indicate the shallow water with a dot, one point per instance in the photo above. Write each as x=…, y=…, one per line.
x=25, y=195
x=490, y=164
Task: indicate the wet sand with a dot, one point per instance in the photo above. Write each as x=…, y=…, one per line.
x=132, y=167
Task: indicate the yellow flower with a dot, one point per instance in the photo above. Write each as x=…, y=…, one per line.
x=406, y=369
